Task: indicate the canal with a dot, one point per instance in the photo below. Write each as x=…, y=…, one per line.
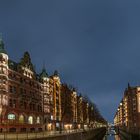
x=111, y=135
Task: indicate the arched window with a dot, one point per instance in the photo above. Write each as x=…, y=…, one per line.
x=38, y=120
x=21, y=119
x=30, y=120
x=11, y=116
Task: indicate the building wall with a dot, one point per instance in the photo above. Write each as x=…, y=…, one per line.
x=36, y=102
x=23, y=96
x=69, y=107
x=55, y=90
x=128, y=111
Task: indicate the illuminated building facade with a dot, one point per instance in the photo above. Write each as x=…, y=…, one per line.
x=21, y=94
x=80, y=111
x=74, y=107
x=37, y=102
x=85, y=109
x=55, y=91
x=26, y=103
x=46, y=102
x=69, y=107
x=128, y=112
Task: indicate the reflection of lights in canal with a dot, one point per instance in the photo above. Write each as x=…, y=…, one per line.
x=111, y=135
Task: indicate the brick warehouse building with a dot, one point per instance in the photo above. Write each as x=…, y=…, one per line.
x=38, y=102
x=128, y=112
x=28, y=101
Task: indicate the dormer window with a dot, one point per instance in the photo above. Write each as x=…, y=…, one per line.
x=27, y=72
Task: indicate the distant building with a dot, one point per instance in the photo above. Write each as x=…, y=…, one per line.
x=128, y=112
x=80, y=111
x=85, y=108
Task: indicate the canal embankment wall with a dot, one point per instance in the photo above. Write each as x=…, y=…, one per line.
x=85, y=135
x=129, y=135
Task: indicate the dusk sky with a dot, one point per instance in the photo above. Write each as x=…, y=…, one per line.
x=94, y=44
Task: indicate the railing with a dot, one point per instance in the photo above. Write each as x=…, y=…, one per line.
x=35, y=135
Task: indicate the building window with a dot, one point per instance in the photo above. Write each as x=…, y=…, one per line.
x=14, y=89
x=57, y=124
x=21, y=91
x=10, y=89
x=30, y=120
x=21, y=80
x=10, y=102
x=11, y=116
x=21, y=119
x=30, y=105
x=38, y=120
x=14, y=103
x=25, y=105
x=51, y=117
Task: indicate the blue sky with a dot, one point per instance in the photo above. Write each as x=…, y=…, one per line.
x=94, y=44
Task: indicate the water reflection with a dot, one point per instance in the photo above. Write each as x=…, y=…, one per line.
x=117, y=137
x=111, y=135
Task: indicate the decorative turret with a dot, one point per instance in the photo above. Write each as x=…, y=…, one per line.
x=3, y=76
x=129, y=86
x=56, y=73
x=3, y=67
x=43, y=75
x=44, y=79
x=74, y=90
x=2, y=50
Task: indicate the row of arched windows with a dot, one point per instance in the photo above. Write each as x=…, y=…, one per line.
x=23, y=119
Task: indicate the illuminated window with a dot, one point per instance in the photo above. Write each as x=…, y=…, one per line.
x=57, y=124
x=51, y=117
x=30, y=120
x=38, y=120
x=11, y=116
x=21, y=119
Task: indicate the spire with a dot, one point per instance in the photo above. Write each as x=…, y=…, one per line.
x=74, y=89
x=43, y=73
x=129, y=87
x=2, y=50
x=56, y=73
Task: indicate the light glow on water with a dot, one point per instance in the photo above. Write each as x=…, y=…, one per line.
x=111, y=135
